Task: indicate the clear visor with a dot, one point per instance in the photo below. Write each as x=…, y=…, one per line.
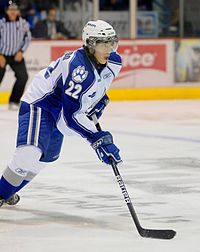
x=106, y=45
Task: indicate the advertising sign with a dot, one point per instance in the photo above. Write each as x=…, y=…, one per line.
x=187, y=61
x=146, y=63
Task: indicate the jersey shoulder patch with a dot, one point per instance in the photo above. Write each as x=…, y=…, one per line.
x=115, y=58
x=67, y=55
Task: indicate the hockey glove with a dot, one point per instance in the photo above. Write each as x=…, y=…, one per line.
x=99, y=107
x=102, y=143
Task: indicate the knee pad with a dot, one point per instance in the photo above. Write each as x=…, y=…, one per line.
x=26, y=160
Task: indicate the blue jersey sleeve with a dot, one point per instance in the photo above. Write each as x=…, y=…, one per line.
x=115, y=58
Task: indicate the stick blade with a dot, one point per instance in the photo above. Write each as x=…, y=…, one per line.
x=157, y=234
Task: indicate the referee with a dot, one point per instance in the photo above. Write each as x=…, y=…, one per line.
x=15, y=37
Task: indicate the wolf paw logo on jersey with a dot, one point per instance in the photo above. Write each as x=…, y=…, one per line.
x=79, y=74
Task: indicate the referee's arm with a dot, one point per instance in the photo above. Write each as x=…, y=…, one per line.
x=2, y=58
x=27, y=37
x=0, y=35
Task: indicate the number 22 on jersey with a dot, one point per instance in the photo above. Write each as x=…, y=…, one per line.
x=73, y=90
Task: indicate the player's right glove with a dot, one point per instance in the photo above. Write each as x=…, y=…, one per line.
x=102, y=143
x=99, y=107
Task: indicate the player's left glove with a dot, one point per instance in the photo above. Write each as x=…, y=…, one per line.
x=99, y=107
x=102, y=143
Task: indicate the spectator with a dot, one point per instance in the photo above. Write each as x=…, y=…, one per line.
x=145, y=5
x=44, y=5
x=50, y=28
x=15, y=37
x=114, y=5
x=28, y=11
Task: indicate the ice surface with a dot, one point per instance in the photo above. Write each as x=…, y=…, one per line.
x=75, y=204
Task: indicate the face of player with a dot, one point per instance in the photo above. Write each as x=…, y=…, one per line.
x=103, y=50
x=13, y=14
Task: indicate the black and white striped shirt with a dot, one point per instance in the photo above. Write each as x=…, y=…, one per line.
x=14, y=36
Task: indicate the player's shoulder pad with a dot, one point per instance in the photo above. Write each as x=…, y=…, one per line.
x=115, y=58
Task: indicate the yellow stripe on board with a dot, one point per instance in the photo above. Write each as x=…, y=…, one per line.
x=141, y=94
x=155, y=93
x=4, y=97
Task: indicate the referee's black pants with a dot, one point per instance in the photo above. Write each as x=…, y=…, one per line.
x=19, y=68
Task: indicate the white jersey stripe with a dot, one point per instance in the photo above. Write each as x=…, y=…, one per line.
x=30, y=124
x=37, y=129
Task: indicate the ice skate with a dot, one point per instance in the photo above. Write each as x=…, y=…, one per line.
x=2, y=201
x=13, y=200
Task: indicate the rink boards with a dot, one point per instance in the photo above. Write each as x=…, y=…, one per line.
x=152, y=69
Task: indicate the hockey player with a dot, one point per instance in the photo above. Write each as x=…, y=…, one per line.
x=60, y=101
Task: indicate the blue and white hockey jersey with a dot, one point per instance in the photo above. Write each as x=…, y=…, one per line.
x=70, y=87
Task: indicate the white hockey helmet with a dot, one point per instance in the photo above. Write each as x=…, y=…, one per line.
x=98, y=31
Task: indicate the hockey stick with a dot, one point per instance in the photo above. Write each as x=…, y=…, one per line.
x=144, y=232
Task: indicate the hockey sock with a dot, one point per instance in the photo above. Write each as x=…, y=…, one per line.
x=10, y=181
x=6, y=189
